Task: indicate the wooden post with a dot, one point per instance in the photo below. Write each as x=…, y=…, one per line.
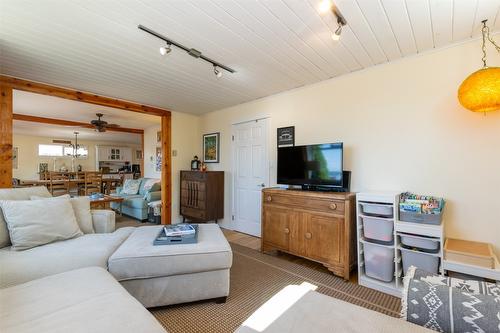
x=6, y=123
x=141, y=162
x=166, y=170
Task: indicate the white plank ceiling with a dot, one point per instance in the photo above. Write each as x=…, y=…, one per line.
x=274, y=45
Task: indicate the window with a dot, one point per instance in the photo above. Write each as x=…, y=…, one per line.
x=50, y=150
x=60, y=151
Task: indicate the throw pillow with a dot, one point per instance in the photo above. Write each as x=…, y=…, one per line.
x=446, y=309
x=39, y=222
x=81, y=208
x=131, y=186
x=148, y=184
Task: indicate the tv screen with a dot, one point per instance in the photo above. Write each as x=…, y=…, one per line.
x=316, y=165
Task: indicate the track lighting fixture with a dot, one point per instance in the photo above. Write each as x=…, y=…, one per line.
x=165, y=50
x=191, y=51
x=326, y=6
x=217, y=72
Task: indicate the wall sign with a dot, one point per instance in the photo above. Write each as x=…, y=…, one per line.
x=286, y=136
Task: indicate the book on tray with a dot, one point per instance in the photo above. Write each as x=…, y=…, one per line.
x=179, y=230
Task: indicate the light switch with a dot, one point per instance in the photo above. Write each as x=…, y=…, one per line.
x=174, y=152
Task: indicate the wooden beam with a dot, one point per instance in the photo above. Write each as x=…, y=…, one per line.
x=5, y=136
x=166, y=170
x=62, y=122
x=46, y=89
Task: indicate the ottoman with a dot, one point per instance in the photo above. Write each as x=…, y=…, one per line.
x=170, y=274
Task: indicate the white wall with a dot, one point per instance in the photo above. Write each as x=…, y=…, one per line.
x=402, y=128
x=28, y=159
x=185, y=143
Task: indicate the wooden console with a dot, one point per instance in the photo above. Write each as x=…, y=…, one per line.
x=319, y=226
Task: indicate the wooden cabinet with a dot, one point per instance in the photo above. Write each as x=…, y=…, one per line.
x=114, y=154
x=315, y=225
x=202, y=195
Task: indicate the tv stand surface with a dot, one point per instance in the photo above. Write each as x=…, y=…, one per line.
x=317, y=188
x=316, y=225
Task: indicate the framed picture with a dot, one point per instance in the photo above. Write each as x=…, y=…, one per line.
x=286, y=136
x=15, y=153
x=138, y=154
x=158, y=159
x=211, y=147
x=43, y=167
x=158, y=137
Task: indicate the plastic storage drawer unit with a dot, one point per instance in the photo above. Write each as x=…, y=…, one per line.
x=379, y=261
x=378, y=229
x=427, y=261
x=376, y=209
x=422, y=243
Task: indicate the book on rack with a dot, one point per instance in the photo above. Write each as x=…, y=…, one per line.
x=179, y=230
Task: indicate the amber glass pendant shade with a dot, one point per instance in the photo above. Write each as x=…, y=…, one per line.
x=480, y=91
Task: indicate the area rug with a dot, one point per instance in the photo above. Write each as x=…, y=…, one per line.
x=255, y=278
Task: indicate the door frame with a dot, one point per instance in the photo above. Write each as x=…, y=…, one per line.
x=233, y=159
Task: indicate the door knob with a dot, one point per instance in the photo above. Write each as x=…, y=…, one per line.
x=262, y=185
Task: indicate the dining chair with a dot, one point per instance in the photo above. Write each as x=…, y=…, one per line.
x=93, y=182
x=58, y=183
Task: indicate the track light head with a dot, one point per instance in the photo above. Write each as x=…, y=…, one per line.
x=325, y=6
x=217, y=72
x=165, y=50
x=336, y=34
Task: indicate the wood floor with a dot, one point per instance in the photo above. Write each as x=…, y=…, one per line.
x=243, y=240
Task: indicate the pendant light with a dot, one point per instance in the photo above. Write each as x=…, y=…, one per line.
x=480, y=91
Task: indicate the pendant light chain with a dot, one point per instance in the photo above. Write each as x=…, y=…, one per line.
x=486, y=35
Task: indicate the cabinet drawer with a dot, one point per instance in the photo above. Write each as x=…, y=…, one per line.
x=194, y=175
x=193, y=212
x=324, y=205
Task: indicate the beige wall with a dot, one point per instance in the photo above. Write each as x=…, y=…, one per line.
x=28, y=159
x=185, y=144
x=402, y=129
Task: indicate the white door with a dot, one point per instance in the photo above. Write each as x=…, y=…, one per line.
x=251, y=174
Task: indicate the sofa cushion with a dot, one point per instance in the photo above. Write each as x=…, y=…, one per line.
x=297, y=309
x=131, y=186
x=83, y=300
x=39, y=222
x=23, y=193
x=81, y=208
x=135, y=202
x=138, y=258
x=88, y=250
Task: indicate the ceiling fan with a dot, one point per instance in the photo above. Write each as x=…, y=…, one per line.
x=101, y=125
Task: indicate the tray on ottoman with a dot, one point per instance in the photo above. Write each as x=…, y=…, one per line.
x=163, y=239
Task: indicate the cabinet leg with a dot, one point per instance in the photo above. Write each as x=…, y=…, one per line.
x=221, y=300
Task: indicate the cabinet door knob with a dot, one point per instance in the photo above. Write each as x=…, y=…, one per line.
x=333, y=206
x=308, y=235
x=269, y=198
x=287, y=231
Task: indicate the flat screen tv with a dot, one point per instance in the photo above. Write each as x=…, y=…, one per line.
x=312, y=166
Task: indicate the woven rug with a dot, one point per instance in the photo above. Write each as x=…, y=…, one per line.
x=255, y=278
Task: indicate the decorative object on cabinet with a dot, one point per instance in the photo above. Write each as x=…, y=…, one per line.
x=202, y=195
x=480, y=91
x=158, y=159
x=319, y=226
x=211, y=144
x=195, y=163
x=286, y=136
x=386, y=244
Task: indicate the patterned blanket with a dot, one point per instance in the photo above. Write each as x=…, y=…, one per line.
x=450, y=305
